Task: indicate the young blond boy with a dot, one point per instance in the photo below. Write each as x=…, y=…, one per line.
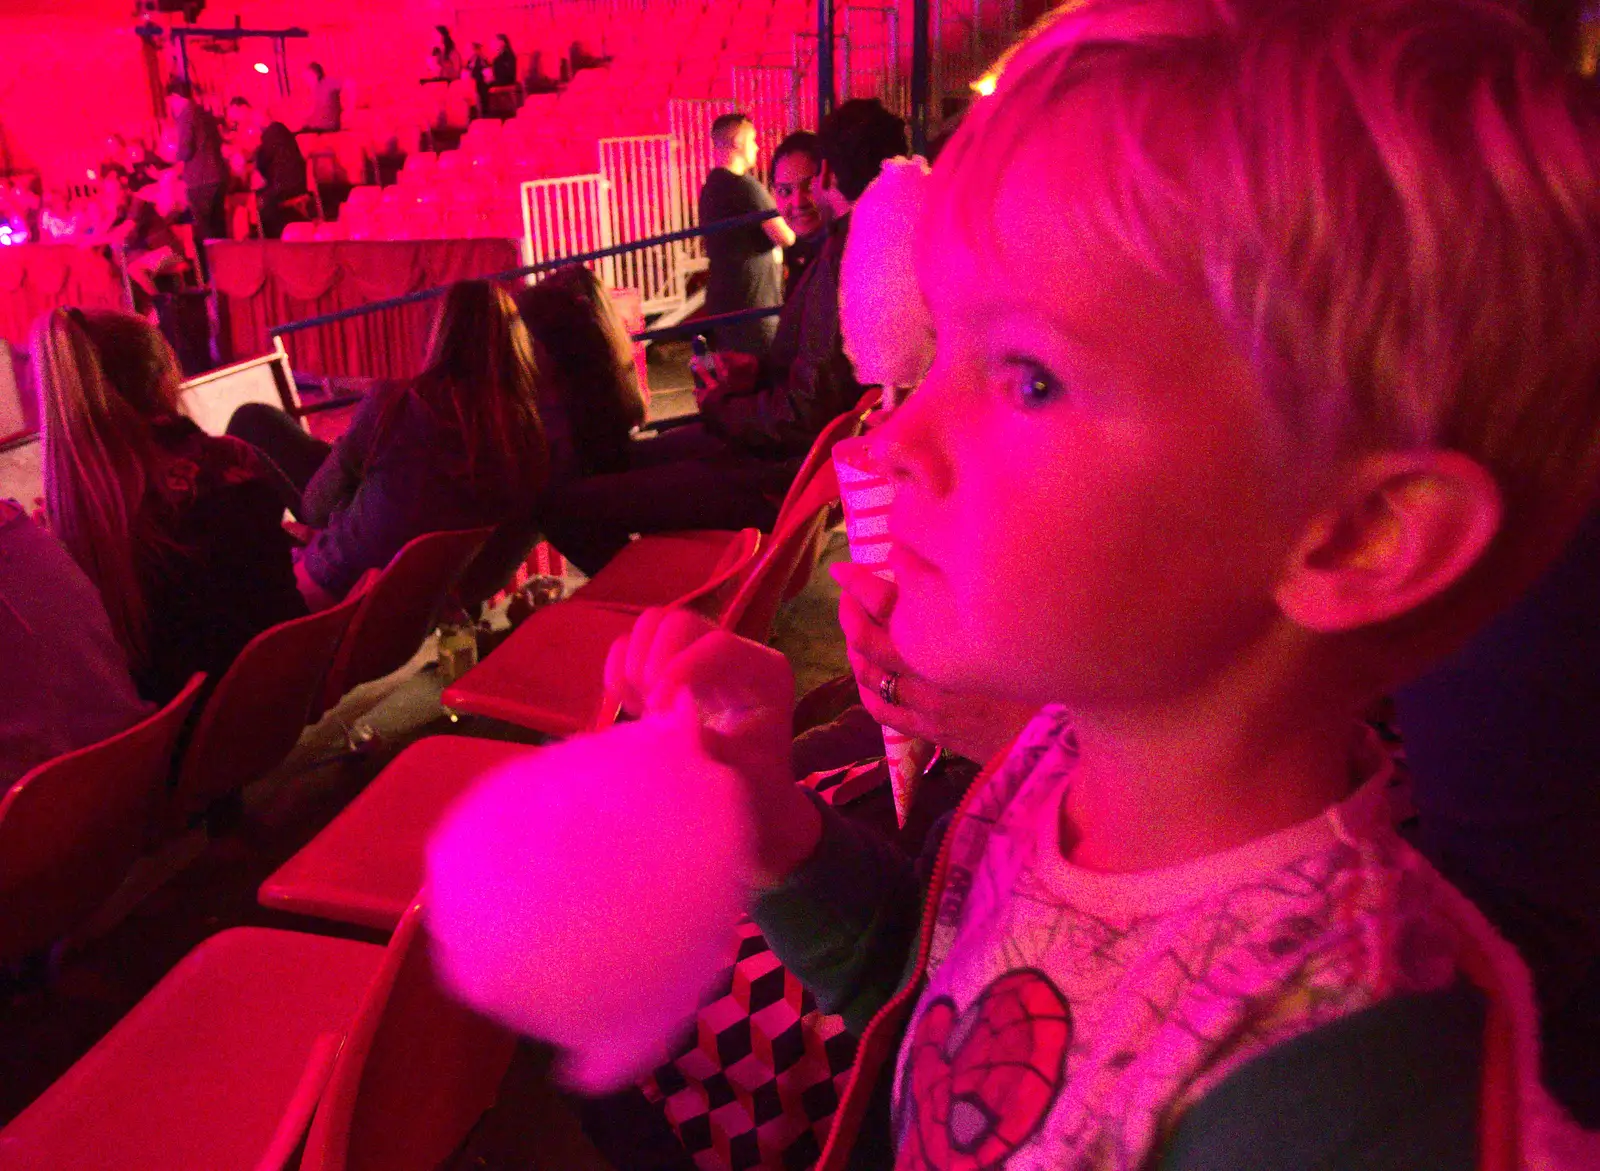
x=1268, y=368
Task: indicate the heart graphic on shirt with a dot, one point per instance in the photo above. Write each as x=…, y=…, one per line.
x=982, y=1081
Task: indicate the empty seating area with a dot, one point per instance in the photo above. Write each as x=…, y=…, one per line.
x=682, y=52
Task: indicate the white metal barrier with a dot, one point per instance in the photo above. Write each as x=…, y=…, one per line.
x=645, y=195
x=562, y=217
x=770, y=95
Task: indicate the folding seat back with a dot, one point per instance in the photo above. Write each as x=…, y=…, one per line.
x=416, y=1072
x=71, y=828
x=261, y=705
x=400, y=608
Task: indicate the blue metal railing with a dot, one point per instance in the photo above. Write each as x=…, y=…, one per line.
x=755, y=217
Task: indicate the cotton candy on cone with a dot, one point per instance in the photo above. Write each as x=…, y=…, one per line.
x=588, y=894
x=886, y=327
x=867, y=494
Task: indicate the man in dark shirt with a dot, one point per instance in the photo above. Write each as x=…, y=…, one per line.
x=796, y=164
x=205, y=173
x=279, y=166
x=744, y=273
x=757, y=418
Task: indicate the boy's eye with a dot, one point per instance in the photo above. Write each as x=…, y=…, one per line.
x=1032, y=384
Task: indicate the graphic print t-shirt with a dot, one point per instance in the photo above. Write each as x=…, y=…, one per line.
x=1073, y=1016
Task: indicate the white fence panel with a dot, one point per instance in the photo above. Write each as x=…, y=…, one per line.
x=645, y=194
x=566, y=216
x=770, y=94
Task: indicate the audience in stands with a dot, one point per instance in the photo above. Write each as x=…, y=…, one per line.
x=795, y=166
x=65, y=683
x=279, y=169
x=180, y=531
x=325, y=108
x=589, y=397
x=198, y=147
x=445, y=57
x=460, y=446
x=758, y=418
x=744, y=270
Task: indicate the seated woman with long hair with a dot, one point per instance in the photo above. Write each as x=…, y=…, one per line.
x=460, y=446
x=589, y=393
x=179, y=531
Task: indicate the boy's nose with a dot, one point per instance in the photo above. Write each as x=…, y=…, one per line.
x=908, y=447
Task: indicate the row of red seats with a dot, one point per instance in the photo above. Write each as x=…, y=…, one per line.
x=347, y=1049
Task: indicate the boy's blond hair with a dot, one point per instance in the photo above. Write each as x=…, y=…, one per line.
x=1393, y=205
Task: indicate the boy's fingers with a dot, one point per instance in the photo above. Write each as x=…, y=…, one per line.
x=640, y=644
x=616, y=677
x=907, y=717
x=676, y=633
x=861, y=582
x=867, y=638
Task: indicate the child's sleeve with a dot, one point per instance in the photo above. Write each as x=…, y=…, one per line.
x=845, y=922
x=1395, y=1087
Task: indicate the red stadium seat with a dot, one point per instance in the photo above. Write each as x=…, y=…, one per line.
x=400, y=609
x=415, y=1074
x=261, y=705
x=220, y=1066
x=653, y=569
x=548, y=675
x=366, y=866
x=71, y=828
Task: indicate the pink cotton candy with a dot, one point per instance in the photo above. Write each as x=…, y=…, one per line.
x=888, y=333
x=588, y=895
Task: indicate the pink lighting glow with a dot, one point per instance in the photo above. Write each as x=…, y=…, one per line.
x=261, y=67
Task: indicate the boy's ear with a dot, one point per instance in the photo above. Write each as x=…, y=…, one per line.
x=1399, y=530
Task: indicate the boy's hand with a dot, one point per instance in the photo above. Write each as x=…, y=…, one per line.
x=971, y=726
x=743, y=694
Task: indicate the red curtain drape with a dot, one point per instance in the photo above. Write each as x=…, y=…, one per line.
x=268, y=282
x=35, y=278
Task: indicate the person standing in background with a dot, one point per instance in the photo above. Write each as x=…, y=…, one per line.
x=199, y=150
x=326, y=111
x=445, y=56
x=744, y=272
x=505, y=61
x=478, y=69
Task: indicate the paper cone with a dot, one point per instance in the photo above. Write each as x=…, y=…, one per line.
x=866, y=495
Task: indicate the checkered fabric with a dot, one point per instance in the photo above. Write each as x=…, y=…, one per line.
x=760, y=1080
